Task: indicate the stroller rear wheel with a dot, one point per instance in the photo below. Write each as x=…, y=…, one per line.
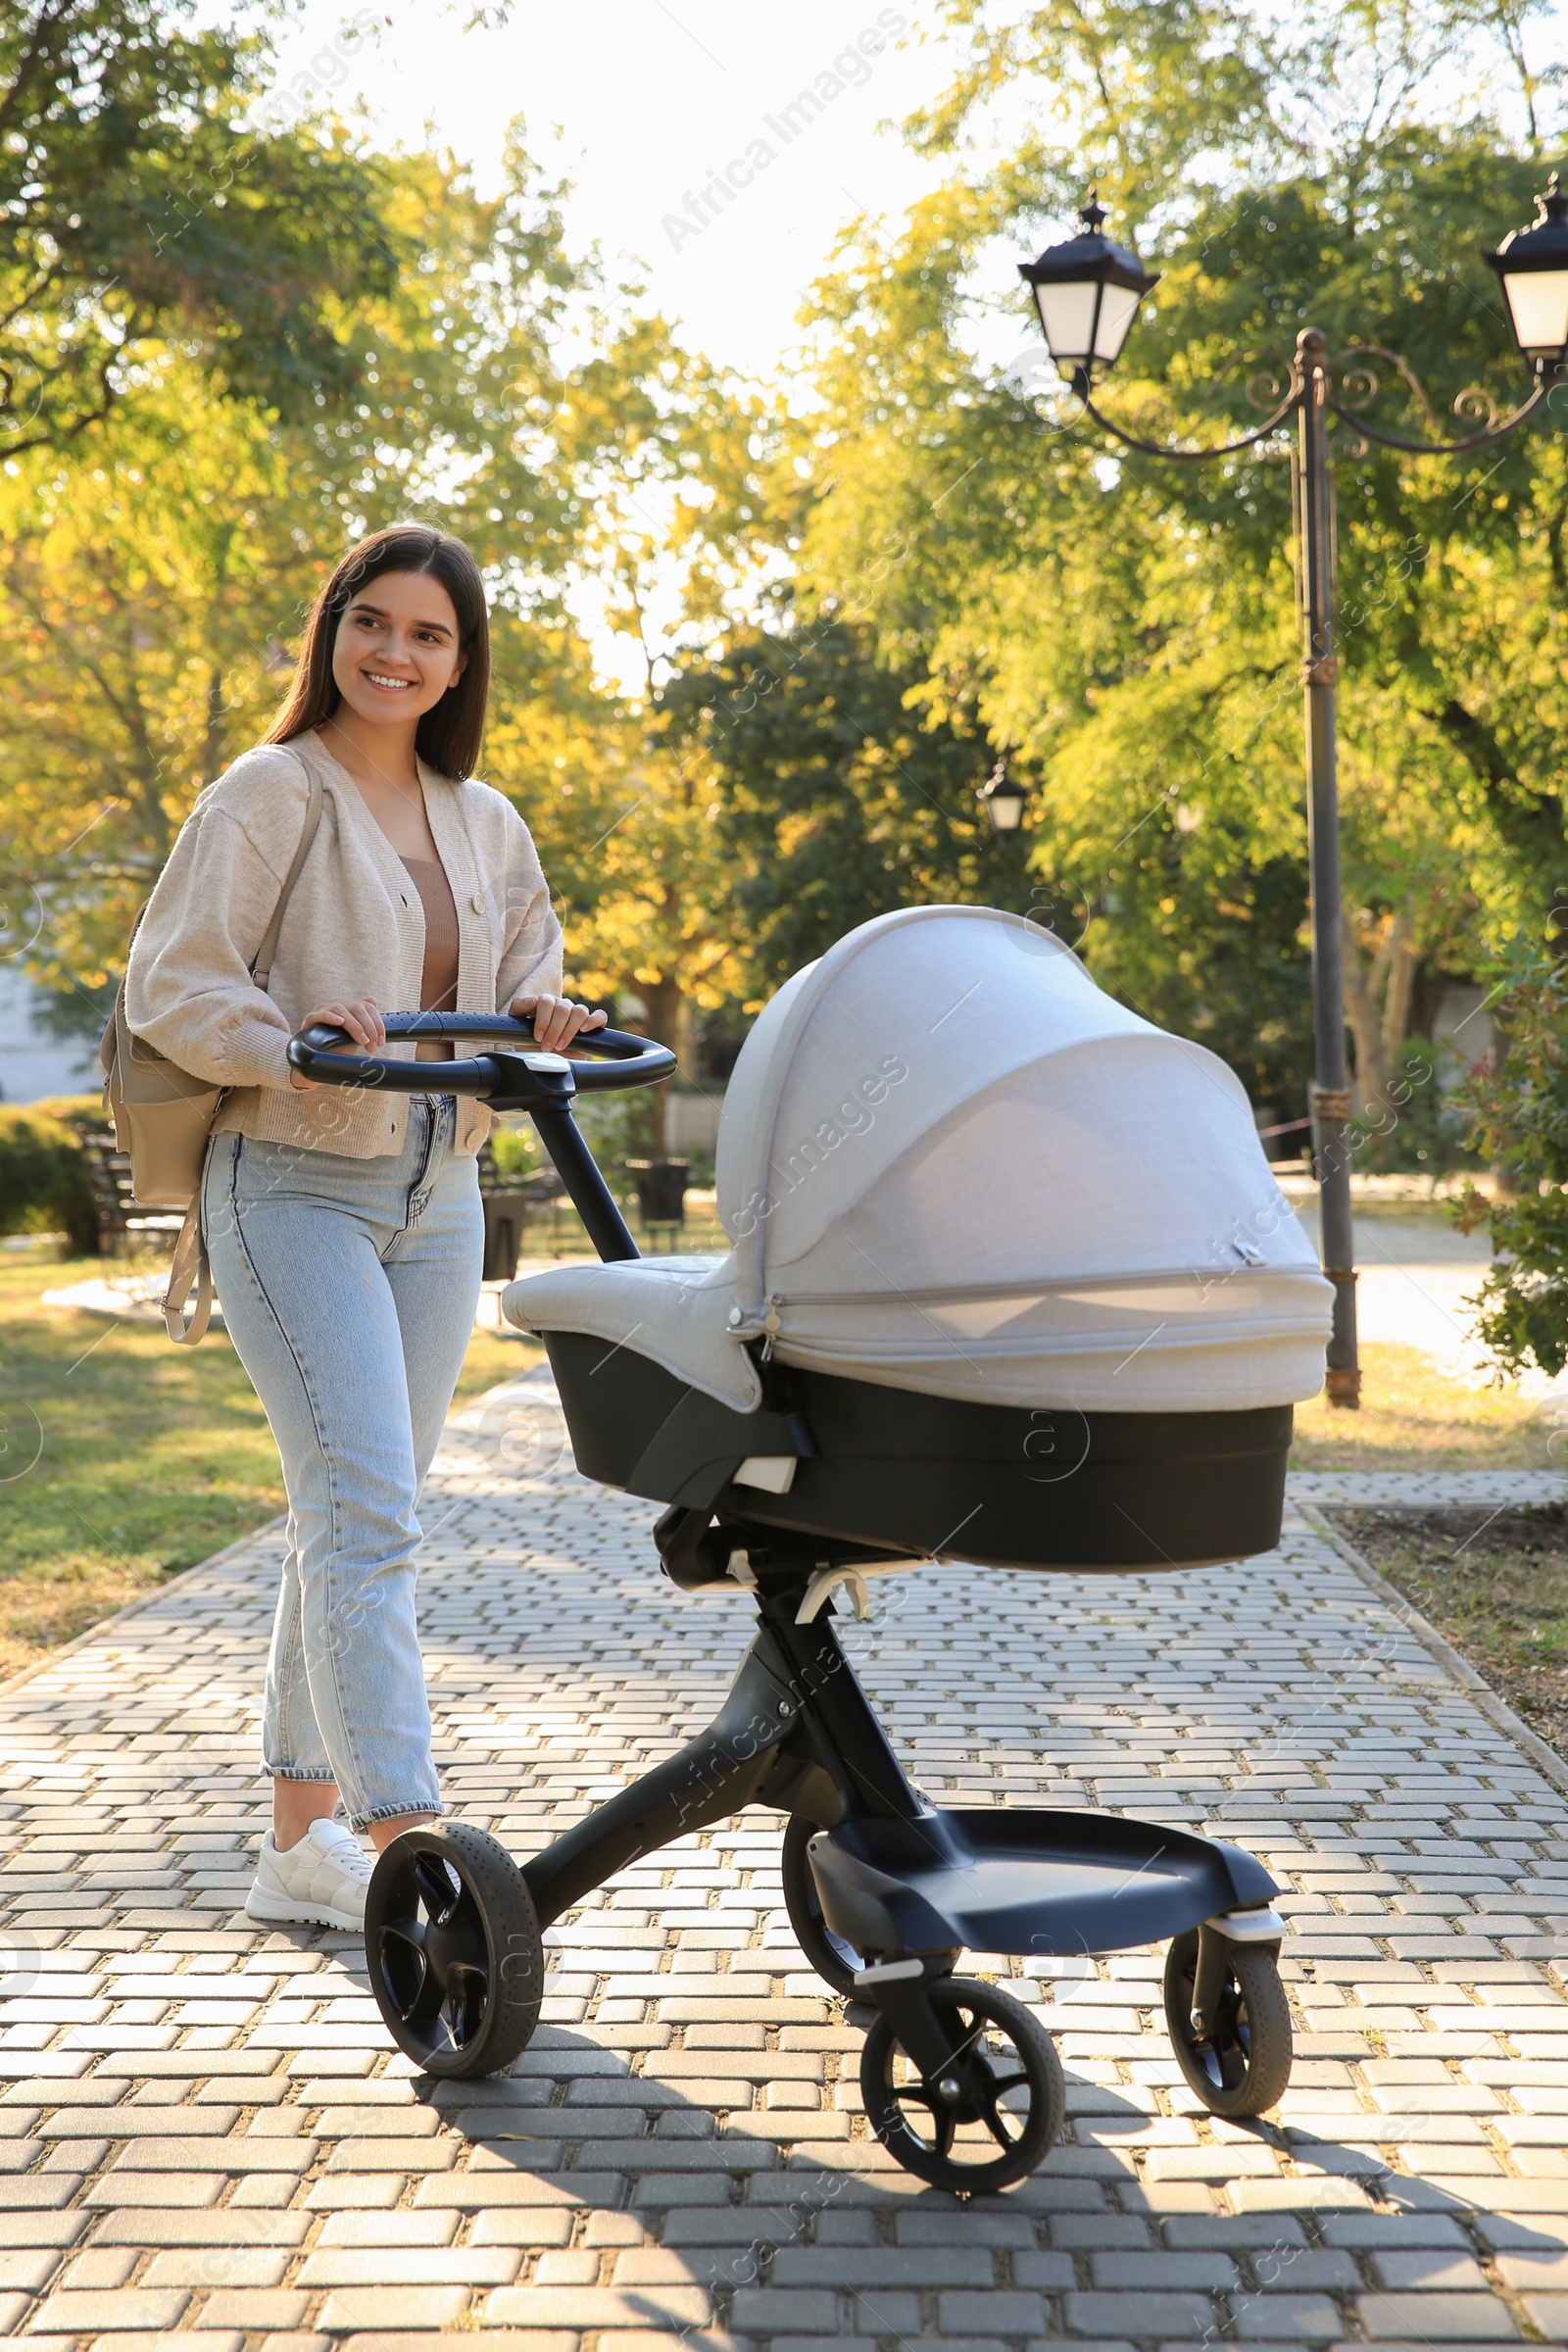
x=1240, y=2062
x=834, y=1960
x=453, y=1945
x=984, y=2118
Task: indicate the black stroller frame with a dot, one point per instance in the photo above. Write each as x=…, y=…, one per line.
x=883, y=1888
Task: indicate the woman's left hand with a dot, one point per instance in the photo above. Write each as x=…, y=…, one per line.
x=557, y=1020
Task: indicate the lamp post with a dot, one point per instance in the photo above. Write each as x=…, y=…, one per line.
x=1002, y=799
x=1087, y=291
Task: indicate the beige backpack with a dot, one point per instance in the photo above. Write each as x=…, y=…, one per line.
x=163, y=1115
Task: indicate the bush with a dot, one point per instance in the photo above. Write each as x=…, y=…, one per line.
x=83, y=1114
x=44, y=1178
x=1516, y=1112
x=515, y=1150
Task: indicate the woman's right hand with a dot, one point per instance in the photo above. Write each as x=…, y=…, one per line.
x=359, y=1016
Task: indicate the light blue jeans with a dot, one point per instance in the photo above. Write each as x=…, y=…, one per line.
x=349, y=1289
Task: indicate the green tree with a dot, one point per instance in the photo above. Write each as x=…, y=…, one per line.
x=141, y=200
x=833, y=801
x=1129, y=625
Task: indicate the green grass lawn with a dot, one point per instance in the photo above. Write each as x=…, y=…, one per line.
x=123, y=1459
x=1495, y=1585
x=1413, y=1418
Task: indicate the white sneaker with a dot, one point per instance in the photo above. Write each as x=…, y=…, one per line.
x=321, y=1881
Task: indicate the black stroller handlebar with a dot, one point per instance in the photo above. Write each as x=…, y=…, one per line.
x=620, y=1060
x=520, y=1077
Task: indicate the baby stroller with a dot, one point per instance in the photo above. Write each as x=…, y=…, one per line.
x=1011, y=1284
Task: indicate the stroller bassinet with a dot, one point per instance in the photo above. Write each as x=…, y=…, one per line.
x=1010, y=1282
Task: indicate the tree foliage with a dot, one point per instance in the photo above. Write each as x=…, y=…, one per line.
x=832, y=801
x=1516, y=1105
x=1128, y=625
x=154, y=595
x=141, y=201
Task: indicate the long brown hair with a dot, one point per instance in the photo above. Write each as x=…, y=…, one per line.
x=450, y=735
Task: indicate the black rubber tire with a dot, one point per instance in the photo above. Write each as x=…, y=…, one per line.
x=971, y=2006
x=454, y=1951
x=1243, y=2068
x=834, y=1960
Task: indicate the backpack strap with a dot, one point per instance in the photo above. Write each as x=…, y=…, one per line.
x=189, y=1266
x=262, y=968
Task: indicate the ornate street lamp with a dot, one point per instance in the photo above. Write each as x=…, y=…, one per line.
x=1003, y=798
x=1087, y=291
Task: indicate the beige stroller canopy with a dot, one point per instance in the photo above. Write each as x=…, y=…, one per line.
x=949, y=1163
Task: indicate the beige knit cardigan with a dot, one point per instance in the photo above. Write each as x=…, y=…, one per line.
x=354, y=927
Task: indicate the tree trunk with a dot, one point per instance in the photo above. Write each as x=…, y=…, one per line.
x=1399, y=988
x=1362, y=1011
x=1379, y=1034
x=669, y=1023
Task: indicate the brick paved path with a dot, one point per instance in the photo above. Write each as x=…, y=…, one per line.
x=1429, y=1490
x=203, y=2126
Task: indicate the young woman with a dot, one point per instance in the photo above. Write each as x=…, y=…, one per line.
x=344, y=1225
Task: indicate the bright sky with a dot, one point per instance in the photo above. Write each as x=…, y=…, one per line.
x=650, y=101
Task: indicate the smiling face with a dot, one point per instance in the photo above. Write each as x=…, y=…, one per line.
x=397, y=648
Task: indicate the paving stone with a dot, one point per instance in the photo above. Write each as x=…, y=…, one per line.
x=393, y=2155
x=252, y=2309
x=137, y=2226
x=174, y=2191
x=142, y=2340
x=28, y=2269
x=1175, y=2316
x=887, y=2265
x=599, y=2307
x=218, y=2265
x=1437, y=2318
x=388, y=2307
x=1287, y=2317
x=90, y=2310
x=1400, y=2269
x=41, y=2189
x=771, y=2310
x=409, y=2266
x=388, y=2230
x=473, y=2192
x=20, y=2230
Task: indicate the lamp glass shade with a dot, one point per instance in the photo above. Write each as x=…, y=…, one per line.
x=1532, y=264
x=1118, y=309
x=1067, y=316
x=1538, y=303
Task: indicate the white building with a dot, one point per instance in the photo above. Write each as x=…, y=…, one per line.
x=1461, y=1030
x=32, y=1063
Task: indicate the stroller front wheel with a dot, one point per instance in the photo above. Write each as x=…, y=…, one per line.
x=1240, y=2064
x=452, y=1946
x=984, y=2118
x=834, y=1960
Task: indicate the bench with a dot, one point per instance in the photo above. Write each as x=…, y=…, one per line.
x=120, y=1217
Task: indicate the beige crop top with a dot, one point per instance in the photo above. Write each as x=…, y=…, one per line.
x=438, y=981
